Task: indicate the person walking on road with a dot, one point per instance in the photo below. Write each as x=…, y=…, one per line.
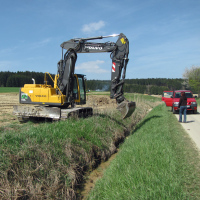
x=182, y=107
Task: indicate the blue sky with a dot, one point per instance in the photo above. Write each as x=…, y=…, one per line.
x=164, y=35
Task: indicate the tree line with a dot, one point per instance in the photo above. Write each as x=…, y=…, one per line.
x=192, y=77
x=144, y=86
x=18, y=79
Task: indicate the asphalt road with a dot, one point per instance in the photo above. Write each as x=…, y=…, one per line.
x=192, y=127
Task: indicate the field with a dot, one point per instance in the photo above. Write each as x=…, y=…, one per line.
x=98, y=101
x=7, y=100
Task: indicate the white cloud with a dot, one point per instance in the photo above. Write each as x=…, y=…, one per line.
x=91, y=67
x=92, y=27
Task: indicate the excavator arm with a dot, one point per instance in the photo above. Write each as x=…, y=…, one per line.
x=119, y=54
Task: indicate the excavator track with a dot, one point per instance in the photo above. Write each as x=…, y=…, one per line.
x=46, y=112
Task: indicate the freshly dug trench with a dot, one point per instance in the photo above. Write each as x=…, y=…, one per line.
x=94, y=176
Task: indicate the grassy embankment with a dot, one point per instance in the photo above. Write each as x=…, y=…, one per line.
x=48, y=160
x=157, y=161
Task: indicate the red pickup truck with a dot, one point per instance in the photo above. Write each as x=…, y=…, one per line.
x=173, y=100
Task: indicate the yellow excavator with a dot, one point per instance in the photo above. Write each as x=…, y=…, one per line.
x=58, y=101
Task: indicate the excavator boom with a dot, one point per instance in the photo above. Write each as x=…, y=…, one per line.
x=119, y=54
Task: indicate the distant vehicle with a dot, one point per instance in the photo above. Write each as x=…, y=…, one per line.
x=166, y=97
x=173, y=101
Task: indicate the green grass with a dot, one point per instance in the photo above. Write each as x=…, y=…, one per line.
x=198, y=101
x=38, y=157
x=46, y=160
x=158, y=161
x=9, y=89
x=93, y=92
x=46, y=156
x=54, y=137
x=142, y=97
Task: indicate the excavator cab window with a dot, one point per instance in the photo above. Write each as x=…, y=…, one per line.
x=82, y=88
x=75, y=89
x=79, y=89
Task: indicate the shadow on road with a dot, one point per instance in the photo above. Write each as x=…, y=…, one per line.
x=190, y=121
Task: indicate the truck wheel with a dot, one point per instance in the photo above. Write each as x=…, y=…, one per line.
x=195, y=111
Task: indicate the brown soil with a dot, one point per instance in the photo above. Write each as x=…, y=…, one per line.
x=101, y=103
x=7, y=100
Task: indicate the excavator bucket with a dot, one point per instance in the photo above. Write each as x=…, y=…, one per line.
x=126, y=108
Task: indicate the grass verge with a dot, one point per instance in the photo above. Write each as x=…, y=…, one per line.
x=198, y=101
x=158, y=161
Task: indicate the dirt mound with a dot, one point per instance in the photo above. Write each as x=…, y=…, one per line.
x=100, y=101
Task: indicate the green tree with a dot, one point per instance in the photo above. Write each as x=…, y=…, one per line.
x=193, y=76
